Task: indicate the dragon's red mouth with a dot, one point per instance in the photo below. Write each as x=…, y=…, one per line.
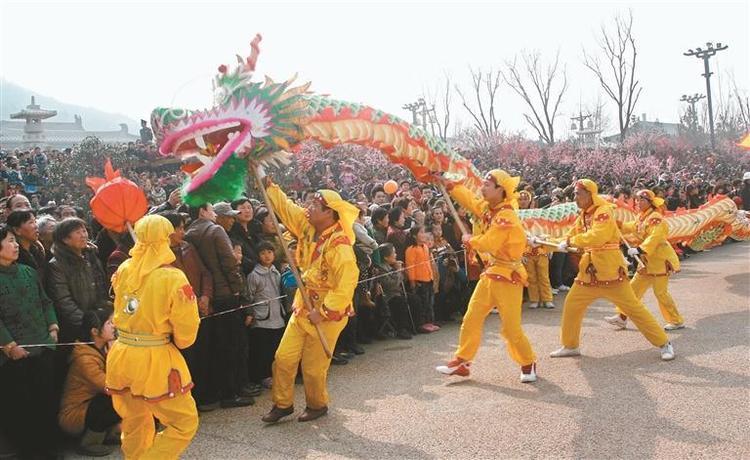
x=205, y=146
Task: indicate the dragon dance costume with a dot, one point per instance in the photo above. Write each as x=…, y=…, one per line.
x=660, y=260
x=330, y=273
x=500, y=240
x=602, y=273
x=155, y=314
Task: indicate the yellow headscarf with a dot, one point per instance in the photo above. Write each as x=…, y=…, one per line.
x=150, y=252
x=648, y=195
x=591, y=187
x=347, y=212
x=508, y=183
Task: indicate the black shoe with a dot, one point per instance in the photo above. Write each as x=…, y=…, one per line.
x=345, y=354
x=403, y=334
x=237, y=401
x=311, y=414
x=357, y=349
x=277, y=414
x=208, y=407
x=338, y=360
x=364, y=340
x=251, y=390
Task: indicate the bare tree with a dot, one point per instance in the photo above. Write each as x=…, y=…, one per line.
x=732, y=109
x=485, y=86
x=543, y=100
x=601, y=119
x=617, y=74
x=445, y=107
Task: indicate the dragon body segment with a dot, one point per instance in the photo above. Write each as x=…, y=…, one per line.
x=699, y=229
x=256, y=120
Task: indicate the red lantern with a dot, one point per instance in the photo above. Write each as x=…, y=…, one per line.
x=117, y=203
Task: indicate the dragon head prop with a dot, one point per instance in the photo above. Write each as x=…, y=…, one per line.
x=249, y=120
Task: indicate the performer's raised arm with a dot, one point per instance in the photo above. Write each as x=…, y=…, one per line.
x=290, y=213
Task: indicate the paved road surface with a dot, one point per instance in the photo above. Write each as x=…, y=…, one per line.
x=618, y=400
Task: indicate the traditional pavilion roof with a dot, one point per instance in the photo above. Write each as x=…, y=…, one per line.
x=33, y=111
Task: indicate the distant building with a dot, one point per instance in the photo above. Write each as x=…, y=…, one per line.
x=34, y=132
x=644, y=126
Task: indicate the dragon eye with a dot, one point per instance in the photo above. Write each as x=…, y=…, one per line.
x=220, y=95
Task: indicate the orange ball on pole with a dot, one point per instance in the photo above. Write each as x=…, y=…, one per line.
x=390, y=187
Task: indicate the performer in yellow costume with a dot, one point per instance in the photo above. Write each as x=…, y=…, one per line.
x=325, y=256
x=500, y=240
x=536, y=262
x=155, y=314
x=602, y=273
x=660, y=260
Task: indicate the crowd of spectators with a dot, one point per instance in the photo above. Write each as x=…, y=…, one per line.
x=56, y=263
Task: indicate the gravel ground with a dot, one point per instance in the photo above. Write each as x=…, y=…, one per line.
x=617, y=400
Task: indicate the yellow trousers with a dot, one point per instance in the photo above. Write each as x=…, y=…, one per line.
x=300, y=343
x=139, y=440
x=622, y=295
x=540, y=288
x=507, y=298
x=668, y=307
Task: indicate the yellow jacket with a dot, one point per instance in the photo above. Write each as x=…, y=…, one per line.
x=84, y=381
x=595, y=231
x=498, y=236
x=328, y=265
x=650, y=232
x=166, y=308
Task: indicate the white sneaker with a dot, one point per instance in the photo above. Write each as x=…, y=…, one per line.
x=456, y=366
x=531, y=376
x=548, y=305
x=555, y=291
x=494, y=311
x=534, y=305
x=565, y=353
x=673, y=327
x=667, y=352
x=563, y=287
x=616, y=320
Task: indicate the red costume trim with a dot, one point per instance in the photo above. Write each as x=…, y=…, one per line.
x=174, y=386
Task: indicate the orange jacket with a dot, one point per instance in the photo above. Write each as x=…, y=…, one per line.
x=418, y=264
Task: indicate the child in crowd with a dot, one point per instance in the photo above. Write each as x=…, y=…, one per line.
x=86, y=410
x=389, y=287
x=268, y=314
x=536, y=261
x=420, y=275
x=452, y=281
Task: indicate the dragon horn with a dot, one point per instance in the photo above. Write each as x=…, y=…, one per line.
x=255, y=50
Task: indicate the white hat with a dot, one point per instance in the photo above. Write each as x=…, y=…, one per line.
x=746, y=176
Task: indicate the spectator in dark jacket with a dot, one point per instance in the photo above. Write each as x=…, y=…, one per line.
x=745, y=192
x=31, y=252
x=26, y=375
x=225, y=333
x=189, y=261
x=396, y=232
x=76, y=281
x=121, y=253
x=241, y=234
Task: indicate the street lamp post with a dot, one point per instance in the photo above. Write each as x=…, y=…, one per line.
x=706, y=55
x=427, y=114
x=413, y=107
x=580, y=119
x=692, y=100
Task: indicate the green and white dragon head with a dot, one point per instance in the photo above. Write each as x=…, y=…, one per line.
x=249, y=120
